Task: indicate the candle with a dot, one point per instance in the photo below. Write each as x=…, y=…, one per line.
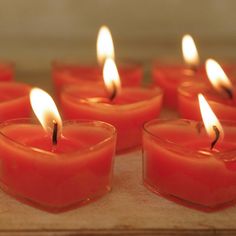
x=14, y=100
x=6, y=71
x=68, y=72
x=169, y=77
x=51, y=167
x=189, y=164
x=219, y=92
x=125, y=108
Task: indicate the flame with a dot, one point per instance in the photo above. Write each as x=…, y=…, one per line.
x=189, y=50
x=111, y=77
x=217, y=76
x=105, y=47
x=209, y=119
x=45, y=110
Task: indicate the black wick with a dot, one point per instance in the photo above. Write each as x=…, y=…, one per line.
x=217, y=133
x=114, y=91
x=194, y=68
x=54, y=133
x=228, y=91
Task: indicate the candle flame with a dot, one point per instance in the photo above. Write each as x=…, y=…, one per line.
x=190, y=53
x=111, y=77
x=45, y=110
x=105, y=47
x=212, y=125
x=217, y=77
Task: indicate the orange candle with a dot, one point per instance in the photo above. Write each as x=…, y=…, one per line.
x=169, y=77
x=125, y=108
x=55, y=166
x=190, y=165
x=220, y=93
x=72, y=71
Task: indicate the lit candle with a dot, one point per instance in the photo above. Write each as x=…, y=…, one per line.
x=219, y=91
x=170, y=76
x=189, y=164
x=68, y=72
x=55, y=166
x=125, y=108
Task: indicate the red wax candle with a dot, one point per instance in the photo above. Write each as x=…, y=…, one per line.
x=14, y=100
x=127, y=111
x=6, y=71
x=179, y=164
x=169, y=77
x=56, y=177
x=66, y=73
x=188, y=108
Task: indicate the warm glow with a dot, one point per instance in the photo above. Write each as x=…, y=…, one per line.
x=111, y=76
x=209, y=119
x=105, y=47
x=189, y=50
x=45, y=109
x=217, y=76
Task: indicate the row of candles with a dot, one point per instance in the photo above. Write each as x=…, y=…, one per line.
x=60, y=165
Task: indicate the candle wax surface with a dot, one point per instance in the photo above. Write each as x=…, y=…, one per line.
x=70, y=141
x=179, y=163
x=127, y=111
x=64, y=73
x=169, y=77
x=56, y=177
x=101, y=95
x=221, y=104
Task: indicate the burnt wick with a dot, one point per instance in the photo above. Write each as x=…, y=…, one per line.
x=194, y=68
x=54, y=133
x=114, y=92
x=228, y=91
x=217, y=133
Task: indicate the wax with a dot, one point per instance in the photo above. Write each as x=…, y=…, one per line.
x=179, y=164
x=127, y=112
x=66, y=73
x=6, y=71
x=169, y=77
x=14, y=100
x=56, y=178
x=188, y=106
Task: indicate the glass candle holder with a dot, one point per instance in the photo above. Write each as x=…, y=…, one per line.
x=128, y=111
x=66, y=72
x=58, y=177
x=179, y=164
